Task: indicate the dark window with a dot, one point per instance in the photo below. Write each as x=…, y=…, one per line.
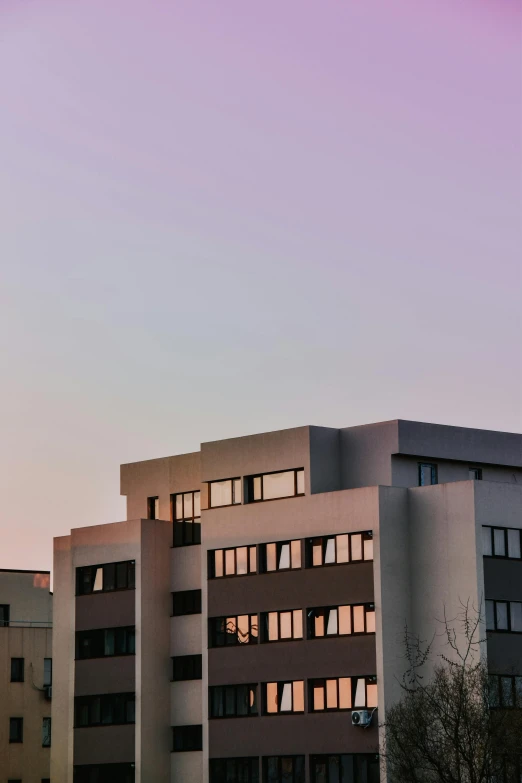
x=342, y=693
x=46, y=733
x=17, y=669
x=11, y=780
x=504, y=616
x=185, y=738
x=109, y=709
x=237, y=561
x=106, y=642
x=224, y=493
x=186, y=667
x=353, y=768
x=232, y=701
x=272, y=486
x=46, y=780
x=16, y=729
x=344, y=548
x=428, y=474
x=502, y=542
x=185, y=512
x=48, y=672
x=186, y=602
x=4, y=615
x=239, y=770
x=284, y=769
x=231, y=630
x=505, y=690
x=104, y=773
x=280, y=556
x=282, y=626
x=475, y=474
x=106, y=578
x=283, y=697
x=340, y=620
x=153, y=508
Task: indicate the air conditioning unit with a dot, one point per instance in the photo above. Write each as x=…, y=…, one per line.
x=361, y=718
x=48, y=690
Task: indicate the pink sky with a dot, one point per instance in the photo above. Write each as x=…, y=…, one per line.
x=218, y=218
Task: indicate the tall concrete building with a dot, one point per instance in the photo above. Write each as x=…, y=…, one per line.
x=245, y=623
x=25, y=676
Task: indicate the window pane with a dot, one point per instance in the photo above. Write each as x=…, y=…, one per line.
x=487, y=548
x=342, y=549
x=317, y=552
x=518, y=691
x=514, y=543
x=502, y=615
x=109, y=576
x=319, y=624
x=98, y=580
x=286, y=697
x=179, y=506
x=188, y=510
x=368, y=548
x=258, y=494
x=331, y=626
x=278, y=485
x=218, y=562
x=253, y=627
x=494, y=692
x=490, y=615
x=356, y=547
x=121, y=576
x=516, y=616
x=298, y=623
x=331, y=694
x=197, y=504
x=242, y=629
x=271, y=557
x=237, y=491
x=242, y=560
x=300, y=482
x=284, y=556
x=499, y=542
x=230, y=561
x=271, y=697
x=273, y=633
x=298, y=693
x=230, y=700
x=286, y=625
x=318, y=696
x=329, y=556
x=345, y=693
x=48, y=671
x=109, y=642
x=345, y=620
x=371, y=694
x=221, y=493
x=506, y=690
x=370, y=622
x=360, y=693
x=253, y=560
x=296, y=554
x=358, y=619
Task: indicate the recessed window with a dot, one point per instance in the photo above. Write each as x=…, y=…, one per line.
x=17, y=669
x=46, y=733
x=282, y=626
x=345, y=768
x=505, y=690
x=186, y=602
x=185, y=512
x=113, y=709
x=153, y=508
x=428, y=474
x=236, y=561
x=344, y=548
x=342, y=693
x=273, y=486
x=232, y=630
x=280, y=556
x=502, y=542
x=48, y=672
x=16, y=730
x=105, y=773
x=475, y=474
x=186, y=667
x=232, y=701
x=290, y=769
x=4, y=615
x=504, y=616
x=187, y=738
x=105, y=643
x=234, y=770
x=340, y=620
x=283, y=697
x=225, y=493
x=106, y=578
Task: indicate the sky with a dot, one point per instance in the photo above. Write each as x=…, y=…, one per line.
x=222, y=218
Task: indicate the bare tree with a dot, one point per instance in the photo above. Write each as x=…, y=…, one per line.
x=446, y=727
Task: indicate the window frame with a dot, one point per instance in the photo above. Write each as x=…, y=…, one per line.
x=249, y=485
x=213, y=634
x=194, y=665
x=98, y=635
x=313, y=541
x=153, y=507
x=298, y=776
x=326, y=758
x=495, y=602
x=183, y=595
x=185, y=523
x=369, y=608
x=48, y=681
x=253, y=710
x=104, y=699
x=212, y=557
x=280, y=691
x=434, y=471
x=197, y=740
x=130, y=577
x=19, y=723
x=515, y=692
x=262, y=555
x=20, y=675
x=265, y=626
x=46, y=721
x=321, y=682
x=477, y=471
x=233, y=481
x=216, y=775
x=6, y=612
x=505, y=531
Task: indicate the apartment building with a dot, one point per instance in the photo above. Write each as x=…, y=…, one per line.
x=245, y=623
x=25, y=676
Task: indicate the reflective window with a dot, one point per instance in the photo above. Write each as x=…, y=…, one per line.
x=340, y=620
x=106, y=578
x=272, y=486
x=234, y=770
x=504, y=616
x=505, y=690
x=342, y=693
x=108, y=709
x=48, y=672
x=352, y=768
x=46, y=732
x=186, y=602
x=187, y=738
x=280, y=556
x=104, y=642
x=344, y=548
x=428, y=474
x=281, y=697
x=186, y=667
x=233, y=630
x=502, y=542
x=105, y=773
x=237, y=561
x=282, y=626
x=284, y=769
x=232, y=701
x=185, y=512
x=153, y=508
x=224, y=493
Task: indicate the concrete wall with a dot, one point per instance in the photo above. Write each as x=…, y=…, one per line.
x=158, y=478
x=27, y=593
x=366, y=454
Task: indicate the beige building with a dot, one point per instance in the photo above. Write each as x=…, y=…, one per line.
x=245, y=623
x=25, y=676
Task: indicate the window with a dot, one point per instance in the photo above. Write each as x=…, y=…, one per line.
x=271, y=486
x=186, y=602
x=232, y=701
x=428, y=474
x=17, y=669
x=48, y=672
x=105, y=642
x=104, y=773
x=505, y=691
x=186, y=667
x=342, y=693
x=237, y=561
x=185, y=738
x=225, y=493
x=242, y=770
x=353, y=768
x=237, y=629
x=475, y=474
x=345, y=548
x=280, y=556
x=111, y=709
x=340, y=620
x=4, y=615
x=504, y=616
x=46, y=733
x=284, y=769
x=105, y=578
x=502, y=542
x=281, y=626
x=185, y=512
x=16, y=729
x=153, y=508
x=283, y=697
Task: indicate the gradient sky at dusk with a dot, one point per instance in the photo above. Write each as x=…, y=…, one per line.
x=219, y=217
